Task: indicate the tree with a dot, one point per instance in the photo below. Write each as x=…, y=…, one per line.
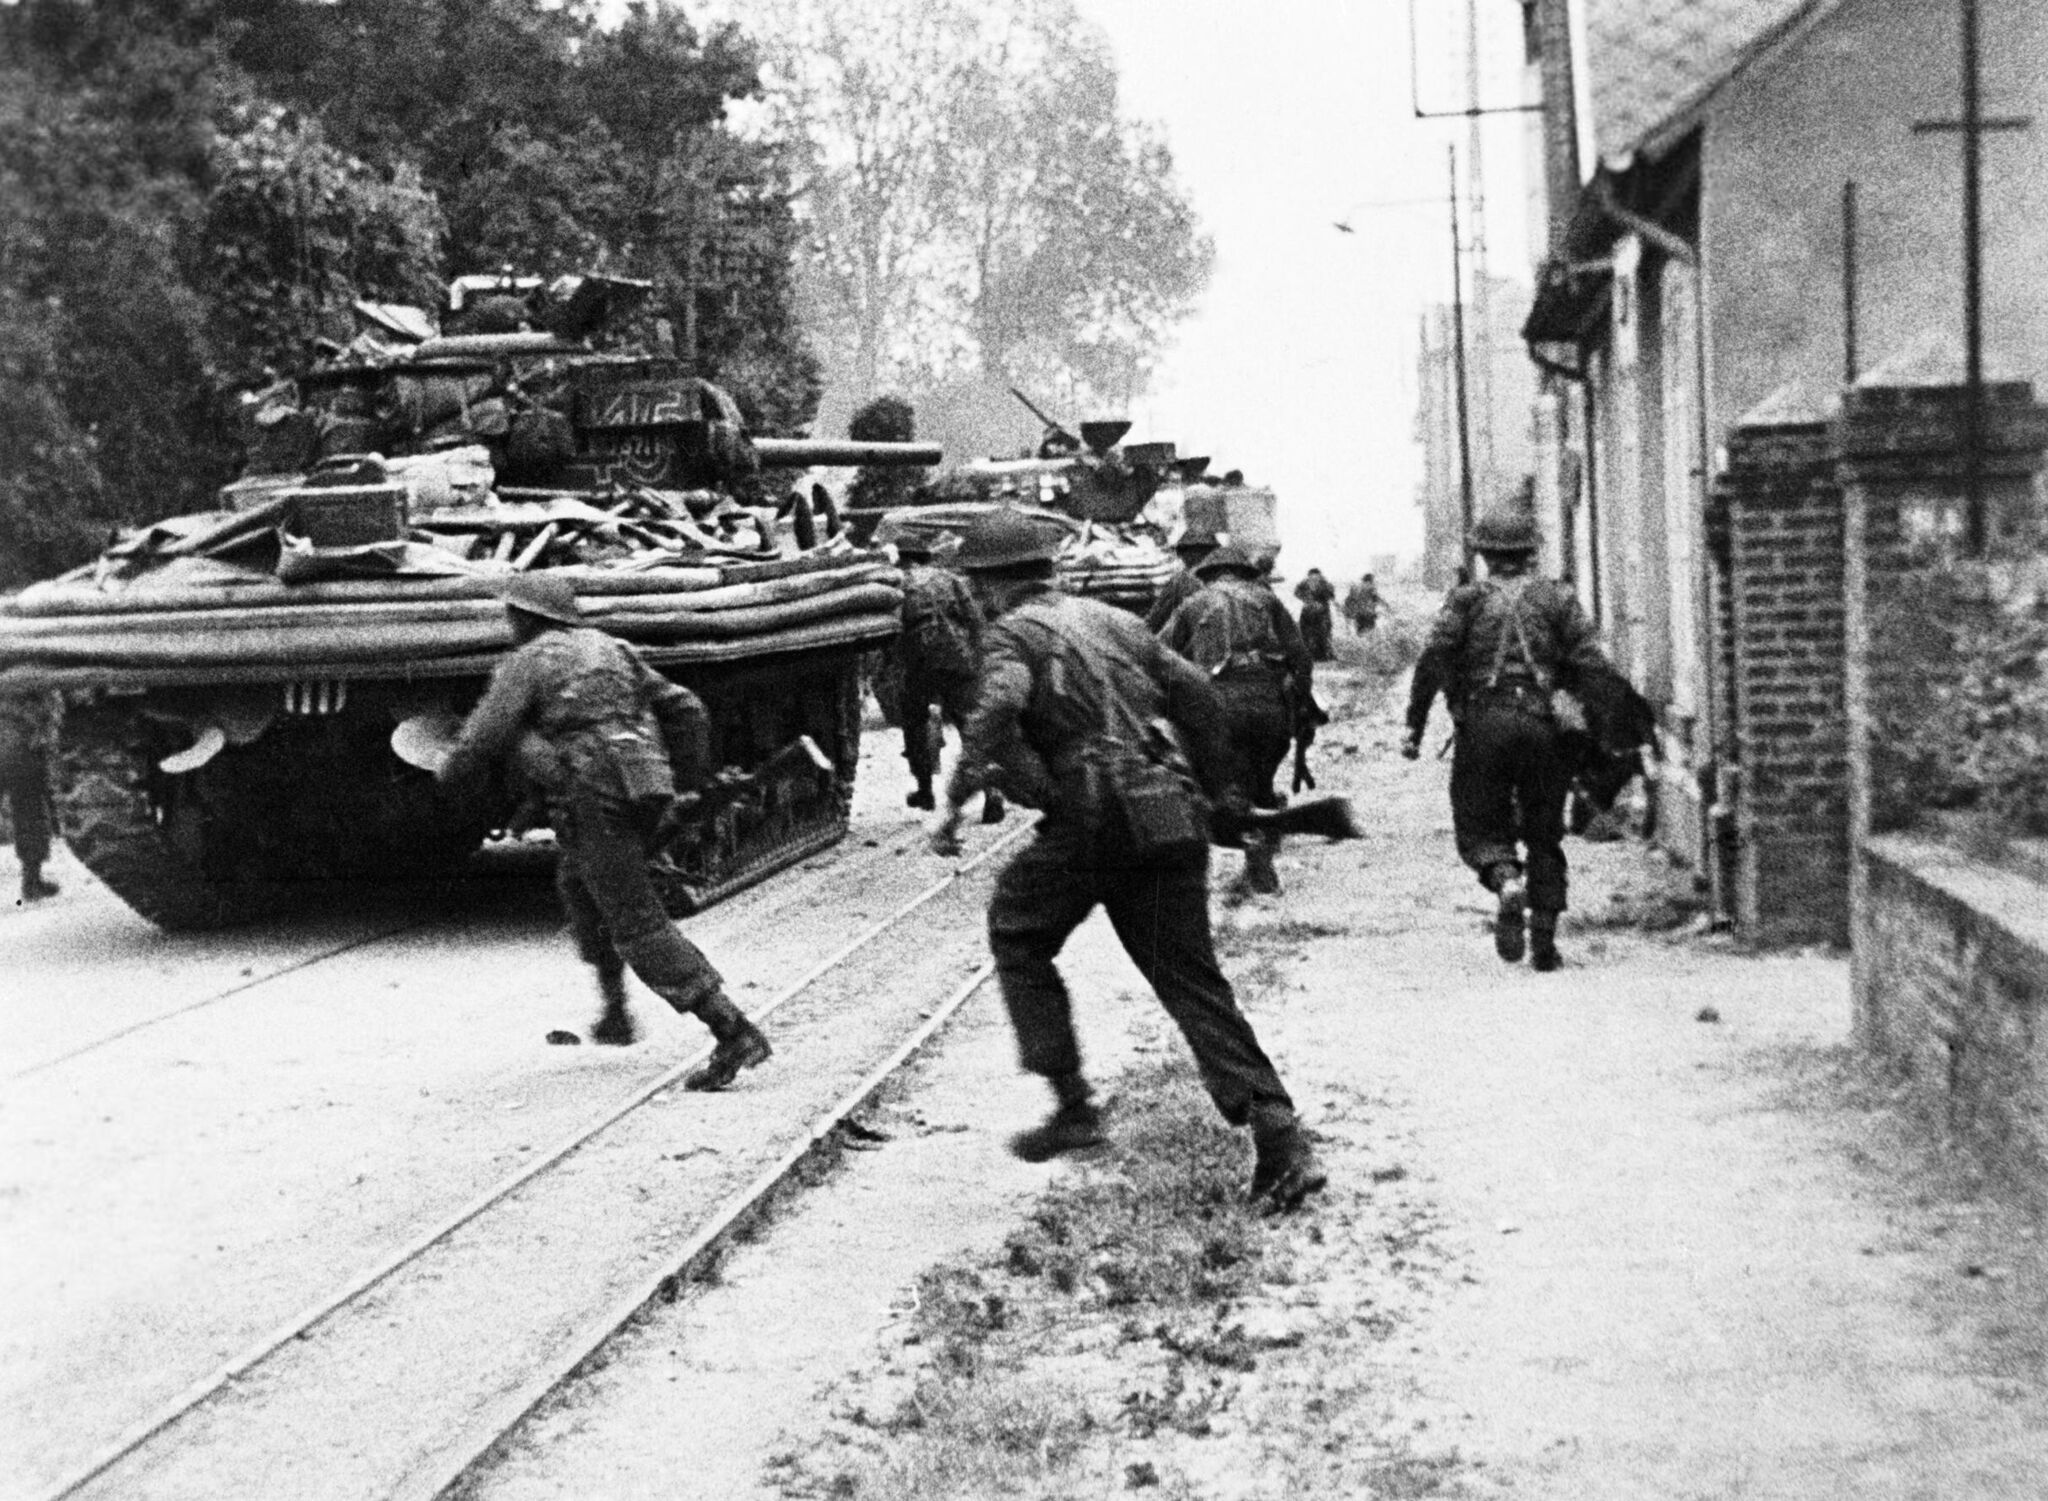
x=191, y=191
x=295, y=231
x=978, y=204
x=105, y=361
x=863, y=101
x=558, y=145
x=885, y=419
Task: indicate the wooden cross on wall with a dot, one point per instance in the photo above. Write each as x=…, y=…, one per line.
x=1972, y=127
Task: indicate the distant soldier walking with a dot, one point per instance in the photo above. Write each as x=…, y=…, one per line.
x=1362, y=605
x=1078, y=713
x=1237, y=631
x=1317, y=596
x=1498, y=651
x=28, y=731
x=938, y=652
x=604, y=736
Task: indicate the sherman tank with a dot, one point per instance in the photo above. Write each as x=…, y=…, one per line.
x=1107, y=563
x=253, y=695
x=1117, y=499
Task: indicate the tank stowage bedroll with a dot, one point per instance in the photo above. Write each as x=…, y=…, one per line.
x=246, y=690
x=1120, y=565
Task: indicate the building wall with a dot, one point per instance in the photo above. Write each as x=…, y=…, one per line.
x=1839, y=104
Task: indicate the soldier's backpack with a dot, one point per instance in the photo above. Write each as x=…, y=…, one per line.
x=1509, y=596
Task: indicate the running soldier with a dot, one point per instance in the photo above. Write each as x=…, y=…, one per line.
x=1317, y=596
x=1078, y=714
x=938, y=654
x=27, y=731
x=1237, y=631
x=1362, y=605
x=605, y=738
x=1498, y=651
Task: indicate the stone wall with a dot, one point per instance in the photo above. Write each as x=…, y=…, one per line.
x=1949, y=953
x=1952, y=992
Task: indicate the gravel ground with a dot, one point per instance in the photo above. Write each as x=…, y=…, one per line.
x=1638, y=1229
x=1579, y=1241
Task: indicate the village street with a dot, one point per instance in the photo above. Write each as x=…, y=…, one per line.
x=1638, y=1229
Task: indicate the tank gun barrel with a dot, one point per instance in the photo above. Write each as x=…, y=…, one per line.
x=1032, y=407
x=802, y=453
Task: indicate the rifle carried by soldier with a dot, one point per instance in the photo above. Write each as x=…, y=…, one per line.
x=1321, y=817
x=1309, y=716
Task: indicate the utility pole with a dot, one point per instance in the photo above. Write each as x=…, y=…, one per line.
x=1849, y=362
x=1458, y=370
x=1475, y=249
x=1972, y=127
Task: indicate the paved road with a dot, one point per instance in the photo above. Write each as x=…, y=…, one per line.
x=205, y=1135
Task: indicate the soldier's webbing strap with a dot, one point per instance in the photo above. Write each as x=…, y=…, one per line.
x=1514, y=598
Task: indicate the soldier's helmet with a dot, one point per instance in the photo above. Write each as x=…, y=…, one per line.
x=1505, y=531
x=1229, y=558
x=537, y=594
x=1005, y=540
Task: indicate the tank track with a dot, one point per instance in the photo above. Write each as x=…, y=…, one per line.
x=789, y=821
x=113, y=809
x=260, y=829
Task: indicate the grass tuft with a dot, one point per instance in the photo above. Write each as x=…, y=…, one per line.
x=1155, y=1232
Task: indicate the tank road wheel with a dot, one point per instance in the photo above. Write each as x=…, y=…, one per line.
x=142, y=833
x=312, y=803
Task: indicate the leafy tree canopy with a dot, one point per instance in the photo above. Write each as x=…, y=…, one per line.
x=191, y=191
x=980, y=211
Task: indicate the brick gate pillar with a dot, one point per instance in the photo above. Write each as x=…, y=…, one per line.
x=1899, y=441
x=1784, y=656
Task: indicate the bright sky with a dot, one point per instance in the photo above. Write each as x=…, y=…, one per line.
x=1285, y=117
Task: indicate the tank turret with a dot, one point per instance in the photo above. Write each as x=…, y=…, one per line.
x=1092, y=477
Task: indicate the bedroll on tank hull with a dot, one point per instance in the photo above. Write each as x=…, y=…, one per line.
x=246, y=693
x=1118, y=565
x=207, y=782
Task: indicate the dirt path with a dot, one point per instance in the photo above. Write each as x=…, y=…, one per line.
x=1579, y=1242
x=1683, y=1282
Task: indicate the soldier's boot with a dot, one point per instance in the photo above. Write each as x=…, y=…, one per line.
x=993, y=807
x=921, y=796
x=1259, y=873
x=1074, y=1126
x=614, y=1023
x=1285, y=1170
x=1511, y=914
x=741, y=1045
x=1543, y=953
x=33, y=887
